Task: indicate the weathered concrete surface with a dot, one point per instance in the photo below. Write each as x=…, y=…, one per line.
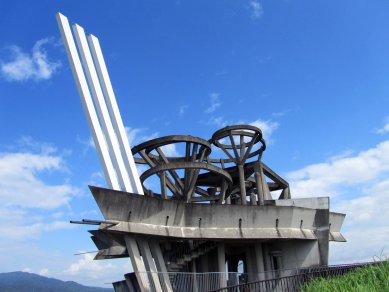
x=155, y=216
x=211, y=233
x=336, y=221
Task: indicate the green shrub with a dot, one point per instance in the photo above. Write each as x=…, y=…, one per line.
x=374, y=278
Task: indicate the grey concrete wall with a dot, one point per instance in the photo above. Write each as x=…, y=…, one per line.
x=147, y=215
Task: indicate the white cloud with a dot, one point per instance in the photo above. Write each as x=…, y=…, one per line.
x=135, y=138
x=385, y=128
x=358, y=185
x=20, y=185
x=363, y=244
x=135, y=135
x=256, y=9
x=215, y=102
x=35, y=65
x=367, y=217
x=27, y=201
x=331, y=178
x=87, y=144
x=371, y=204
x=217, y=121
x=23, y=229
x=89, y=267
x=170, y=150
x=91, y=272
x=182, y=109
x=267, y=128
x=44, y=272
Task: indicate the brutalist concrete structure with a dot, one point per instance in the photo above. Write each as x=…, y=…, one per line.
x=200, y=206
x=207, y=212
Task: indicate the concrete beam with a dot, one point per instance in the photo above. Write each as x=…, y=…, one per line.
x=149, y=263
x=160, y=264
x=137, y=262
x=221, y=262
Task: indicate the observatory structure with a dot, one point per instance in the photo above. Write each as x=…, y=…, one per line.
x=211, y=208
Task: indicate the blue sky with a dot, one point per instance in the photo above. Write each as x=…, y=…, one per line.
x=314, y=75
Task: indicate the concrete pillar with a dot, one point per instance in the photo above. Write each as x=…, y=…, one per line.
x=266, y=191
x=242, y=184
x=137, y=262
x=203, y=264
x=266, y=260
x=221, y=262
x=194, y=279
x=149, y=263
x=259, y=182
x=251, y=263
x=260, y=265
x=160, y=263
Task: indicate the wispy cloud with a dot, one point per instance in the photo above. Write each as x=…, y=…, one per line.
x=21, y=186
x=215, y=102
x=256, y=9
x=86, y=265
x=36, y=65
x=280, y=113
x=92, y=272
x=26, y=199
x=182, y=109
x=217, y=121
x=87, y=144
x=267, y=128
x=385, y=128
x=358, y=185
x=138, y=135
x=335, y=176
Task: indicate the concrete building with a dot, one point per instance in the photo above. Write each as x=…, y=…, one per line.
x=192, y=221
x=207, y=215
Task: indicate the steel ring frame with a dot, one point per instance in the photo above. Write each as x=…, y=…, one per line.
x=151, y=145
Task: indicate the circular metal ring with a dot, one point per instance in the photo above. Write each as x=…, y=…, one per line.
x=153, y=144
x=242, y=130
x=238, y=130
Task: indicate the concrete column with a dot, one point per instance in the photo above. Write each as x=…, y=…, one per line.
x=221, y=261
x=251, y=263
x=266, y=260
x=260, y=265
x=259, y=182
x=149, y=263
x=204, y=264
x=160, y=263
x=242, y=184
x=194, y=279
x=265, y=187
x=137, y=262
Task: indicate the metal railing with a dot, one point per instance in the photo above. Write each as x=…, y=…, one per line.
x=296, y=281
x=274, y=281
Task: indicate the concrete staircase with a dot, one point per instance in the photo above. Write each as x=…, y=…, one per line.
x=177, y=260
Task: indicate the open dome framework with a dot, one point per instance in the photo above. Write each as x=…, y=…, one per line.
x=225, y=180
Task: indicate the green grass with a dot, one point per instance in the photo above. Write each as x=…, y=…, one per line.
x=370, y=279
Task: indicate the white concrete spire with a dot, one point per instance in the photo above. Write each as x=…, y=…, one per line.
x=106, y=124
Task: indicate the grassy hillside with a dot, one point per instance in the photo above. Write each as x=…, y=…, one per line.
x=370, y=279
x=23, y=282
